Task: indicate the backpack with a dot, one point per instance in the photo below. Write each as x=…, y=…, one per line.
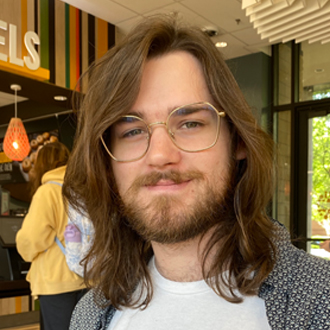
x=80, y=226
x=79, y=235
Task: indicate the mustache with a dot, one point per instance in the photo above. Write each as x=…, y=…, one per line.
x=177, y=177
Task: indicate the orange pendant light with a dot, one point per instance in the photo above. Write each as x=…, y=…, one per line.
x=16, y=144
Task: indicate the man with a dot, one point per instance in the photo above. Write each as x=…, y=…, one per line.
x=176, y=175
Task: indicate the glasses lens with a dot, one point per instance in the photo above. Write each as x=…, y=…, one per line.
x=194, y=127
x=127, y=139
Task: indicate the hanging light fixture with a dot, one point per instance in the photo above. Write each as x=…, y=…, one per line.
x=16, y=143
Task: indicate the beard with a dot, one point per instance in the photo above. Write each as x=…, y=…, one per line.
x=168, y=219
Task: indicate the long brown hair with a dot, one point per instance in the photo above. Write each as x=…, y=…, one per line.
x=50, y=156
x=118, y=254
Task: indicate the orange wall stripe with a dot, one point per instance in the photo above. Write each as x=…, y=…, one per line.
x=102, y=37
x=72, y=47
x=18, y=304
x=24, y=15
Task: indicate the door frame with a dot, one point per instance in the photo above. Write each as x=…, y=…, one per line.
x=299, y=168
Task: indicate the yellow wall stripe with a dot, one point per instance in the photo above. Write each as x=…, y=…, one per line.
x=39, y=74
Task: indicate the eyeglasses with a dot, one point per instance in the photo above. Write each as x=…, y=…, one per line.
x=192, y=128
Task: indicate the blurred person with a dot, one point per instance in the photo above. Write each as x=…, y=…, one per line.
x=176, y=175
x=51, y=280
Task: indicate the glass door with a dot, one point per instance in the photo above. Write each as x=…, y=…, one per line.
x=311, y=205
x=318, y=186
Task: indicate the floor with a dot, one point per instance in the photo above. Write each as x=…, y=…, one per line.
x=27, y=327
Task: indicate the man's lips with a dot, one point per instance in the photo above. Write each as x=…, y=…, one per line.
x=167, y=185
x=170, y=180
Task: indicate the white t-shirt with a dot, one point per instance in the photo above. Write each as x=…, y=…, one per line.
x=193, y=306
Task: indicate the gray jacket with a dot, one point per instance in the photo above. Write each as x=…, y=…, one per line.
x=296, y=294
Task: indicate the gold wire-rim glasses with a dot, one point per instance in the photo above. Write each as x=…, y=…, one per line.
x=220, y=114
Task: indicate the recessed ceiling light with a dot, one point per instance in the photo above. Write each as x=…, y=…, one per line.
x=60, y=98
x=319, y=70
x=221, y=44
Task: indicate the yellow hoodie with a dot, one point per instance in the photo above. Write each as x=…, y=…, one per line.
x=47, y=218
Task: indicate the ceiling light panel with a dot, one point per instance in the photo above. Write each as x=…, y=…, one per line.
x=284, y=14
x=270, y=11
x=296, y=27
x=247, y=3
x=285, y=20
x=261, y=6
x=319, y=28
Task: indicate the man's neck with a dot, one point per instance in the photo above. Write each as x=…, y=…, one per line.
x=181, y=262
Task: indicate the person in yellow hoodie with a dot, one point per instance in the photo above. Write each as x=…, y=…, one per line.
x=57, y=287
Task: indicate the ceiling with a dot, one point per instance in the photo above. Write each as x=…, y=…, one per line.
x=232, y=24
x=35, y=99
x=225, y=16
x=7, y=99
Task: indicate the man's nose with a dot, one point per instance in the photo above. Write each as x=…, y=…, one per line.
x=162, y=151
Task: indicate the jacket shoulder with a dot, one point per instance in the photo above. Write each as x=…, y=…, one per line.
x=312, y=270
x=92, y=312
x=56, y=174
x=296, y=292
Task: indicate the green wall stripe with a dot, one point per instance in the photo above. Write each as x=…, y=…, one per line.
x=44, y=35
x=67, y=46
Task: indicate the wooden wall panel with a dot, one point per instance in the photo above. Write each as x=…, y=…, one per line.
x=73, y=49
x=30, y=15
x=14, y=305
x=24, y=29
x=70, y=40
x=84, y=41
x=84, y=49
x=67, y=46
x=10, y=12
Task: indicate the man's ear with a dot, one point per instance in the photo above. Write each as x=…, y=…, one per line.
x=240, y=151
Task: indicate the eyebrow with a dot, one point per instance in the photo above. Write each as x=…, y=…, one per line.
x=139, y=114
x=136, y=113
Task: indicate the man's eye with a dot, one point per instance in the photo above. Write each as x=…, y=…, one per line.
x=191, y=124
x=133, y=133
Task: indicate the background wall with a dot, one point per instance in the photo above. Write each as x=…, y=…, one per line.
x=253, y=75
x=70, y=39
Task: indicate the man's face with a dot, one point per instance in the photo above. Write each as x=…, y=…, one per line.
x=180, y=192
